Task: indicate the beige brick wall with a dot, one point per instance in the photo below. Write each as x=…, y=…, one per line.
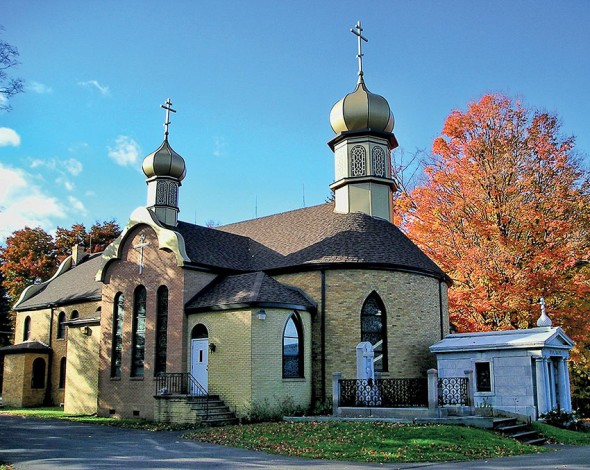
x=81, y=392
x=39, y=325
x=17, y=389
x=230, y=369
x=268, y=384
x=129, y=394
x=413, y=319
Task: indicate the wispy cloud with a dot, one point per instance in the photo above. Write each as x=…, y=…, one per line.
x=103, y=89
x=125, y=152
x=9, y=137
x=219, y=147
x=77, y=205
x=64, y=169
x=39, y=88
x=23, y=203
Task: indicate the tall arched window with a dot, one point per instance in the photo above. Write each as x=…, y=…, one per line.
x=138, y=332
x=62, y=373
x=27, y=329
x=38, y=376
x=117, y=347
x=293, y=347
x=161, y=330
x=373, y=329
x=61, y=325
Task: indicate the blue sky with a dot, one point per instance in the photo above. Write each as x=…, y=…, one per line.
x=253, y=84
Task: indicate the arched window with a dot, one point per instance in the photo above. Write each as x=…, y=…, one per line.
x=293, y=347
x=373, y=329
x=61, y=325
x=62, y=373
x=199, y=332
x=161, y=330
x=117, y=347
x=74, y=315
x=138, y=332
x=27, y=329
x=38, y=377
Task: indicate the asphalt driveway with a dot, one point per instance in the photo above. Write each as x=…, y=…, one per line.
x=49, y=444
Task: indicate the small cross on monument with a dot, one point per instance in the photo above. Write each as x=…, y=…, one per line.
x=140, y=246
x=357, y=31
x=168, y=107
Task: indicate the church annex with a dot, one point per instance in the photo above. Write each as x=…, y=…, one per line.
x=254, y=312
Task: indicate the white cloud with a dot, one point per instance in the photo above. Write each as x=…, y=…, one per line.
x=63, y=168
x=23, y=203
x=9, y=137
x=69, y=185
x=125, y=152
x=39, y=88
x=103, y=89
x=73, y=166
x=219, y=147
x=77, y=205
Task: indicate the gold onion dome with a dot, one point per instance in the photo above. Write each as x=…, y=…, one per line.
x=164, y=162
x=361, y=110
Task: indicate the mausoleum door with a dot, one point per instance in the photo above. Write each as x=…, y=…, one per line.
x=200, y=362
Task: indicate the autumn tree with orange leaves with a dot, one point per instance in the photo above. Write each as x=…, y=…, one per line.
x=504, y=211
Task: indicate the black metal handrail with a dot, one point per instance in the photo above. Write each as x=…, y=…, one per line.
x=182, y=383
x=384, y=393
x=453, y=391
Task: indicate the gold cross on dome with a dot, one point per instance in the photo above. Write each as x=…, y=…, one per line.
x=140, y=246
x=168, y=107
x=357, y=31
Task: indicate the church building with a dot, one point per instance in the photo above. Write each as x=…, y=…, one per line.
x=253, y=313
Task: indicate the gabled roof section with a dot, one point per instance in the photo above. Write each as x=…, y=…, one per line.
x=168, y=238
x=248, y=290
x=72, y=285
x=318, y=235
x=534, y=338
x=26, y=347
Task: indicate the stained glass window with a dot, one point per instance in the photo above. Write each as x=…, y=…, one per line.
x=138, y=333
x=293, y=348
x=118, y=315
x=373, y=329
x=161, y=330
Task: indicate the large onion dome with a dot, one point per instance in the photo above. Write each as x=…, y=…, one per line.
x=164, y=162
x=361, y=110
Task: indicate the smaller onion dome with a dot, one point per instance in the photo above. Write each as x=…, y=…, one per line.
x=361, y=110
x=164, y=162
x=543, y=320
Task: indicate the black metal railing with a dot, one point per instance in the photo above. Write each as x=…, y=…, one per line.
x=453, y=391
x=384, y=393
x=182, y=383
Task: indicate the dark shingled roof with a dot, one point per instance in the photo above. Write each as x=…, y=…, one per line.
x=318, y=235
x=75, y=285
x=27, y=346
x=252, y=289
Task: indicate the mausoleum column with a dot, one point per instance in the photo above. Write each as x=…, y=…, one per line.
x=543, y=396
x=565, y=401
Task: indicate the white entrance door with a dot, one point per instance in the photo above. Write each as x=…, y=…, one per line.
x=199, y=364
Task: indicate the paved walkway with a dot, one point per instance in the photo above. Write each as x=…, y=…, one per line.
x=50, y=444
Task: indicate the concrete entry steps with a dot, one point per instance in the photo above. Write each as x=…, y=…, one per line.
x=517, y=430
x=213, y=413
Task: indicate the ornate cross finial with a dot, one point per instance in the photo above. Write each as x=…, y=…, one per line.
x=168, y=107
x=357, y=31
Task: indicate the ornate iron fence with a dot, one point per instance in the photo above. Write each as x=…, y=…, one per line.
x=453, y=391
x=384, y=393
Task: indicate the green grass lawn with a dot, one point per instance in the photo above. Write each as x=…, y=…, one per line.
x=367, y=442
x=58, y=413
x=562, y=436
